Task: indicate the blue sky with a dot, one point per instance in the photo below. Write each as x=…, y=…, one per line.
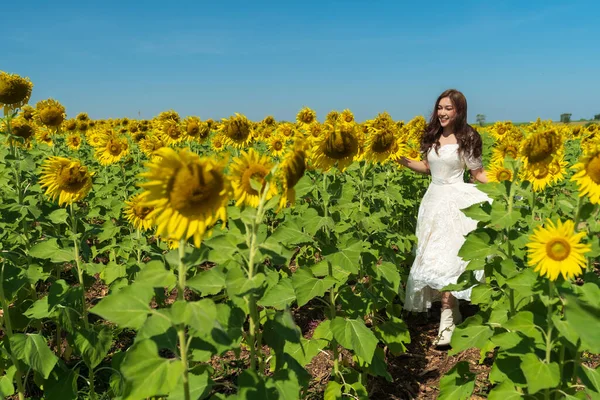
x=514, y=60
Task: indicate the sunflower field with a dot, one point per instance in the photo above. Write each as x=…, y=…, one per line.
x=194, y=258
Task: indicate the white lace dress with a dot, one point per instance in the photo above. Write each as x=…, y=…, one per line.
x=441, y=228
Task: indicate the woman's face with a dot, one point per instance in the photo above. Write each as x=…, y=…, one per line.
x=446, y=112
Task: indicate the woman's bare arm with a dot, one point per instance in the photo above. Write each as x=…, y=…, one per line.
x=479, y=175
x=421, y=167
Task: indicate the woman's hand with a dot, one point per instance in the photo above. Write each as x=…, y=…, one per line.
x=478, y=175
x=417, y=166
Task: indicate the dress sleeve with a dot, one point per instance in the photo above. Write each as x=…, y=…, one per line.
x=472, y=163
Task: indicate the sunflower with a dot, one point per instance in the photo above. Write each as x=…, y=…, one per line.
x=50, y=113
x=251, y=166
x=276, y=146
x=43, y=136
x=112, y=150
x=306, y=116
x=557, y=250
x=15, y=91
x=498, y=173
x=172, y=132
x=269, y=121
x=346, y=116
x=192, y=127
x=382, y=140
x=541, y=146
x=137, y=213
x=22, y=128
x=338, y=145
x=70, y=125
x=218, y=143
x=150, y=145
x=539, y=175
x=503, y=150
x=332, y=116
x=188, y=194
x=28, y=112
x=289, y=173
x=286, y=130
x=237, y=131
x=558, y=169
x=169, y=115
x=83, y=126
x=588, y=175
x=314, y=131
x=73, y=141
x=65, y=179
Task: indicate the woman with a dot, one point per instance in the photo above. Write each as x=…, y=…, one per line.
x=449, y=146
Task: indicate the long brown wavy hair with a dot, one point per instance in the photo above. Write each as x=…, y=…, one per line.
x=469, y=140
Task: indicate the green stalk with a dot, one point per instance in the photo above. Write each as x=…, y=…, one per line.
x=183, y=345
x=138, y=250
x=549, y=331
x=578, y=214
x=254, y=335
x=78, y=264
x=511, y=292
x=332, y=314
x=9, y=333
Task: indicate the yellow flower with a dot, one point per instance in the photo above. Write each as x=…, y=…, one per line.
x=192, y=127
x=70, y=125
x=557, y=250
x=289, y=173
x=50, y=113
x=306, y=116
x=276, y=145
x=237, y=131
x=539, y=175
x=172, y=132
x=382, y=140
x=188, y=193
x=286, y=130
x=503, y=150
x=541, y=146
x=112, y=150
x=588, y=175
x=15, y=91
x=74, y=141
x=22, y=128
x=168, y=115
x=218, y=143
x=338, y=145
x=137, y=213
x=332, y=116
x=28, y=112
x=43, y=136
x=150, y=145
x=346, y=116
x=499, y=173
x=251, y=166
x=65, y=179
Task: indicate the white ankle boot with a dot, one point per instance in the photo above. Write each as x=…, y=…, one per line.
x=448, y=321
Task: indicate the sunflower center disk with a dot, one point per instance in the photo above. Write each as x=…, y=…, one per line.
x=383, y=142
x=51, y=116
x=340, y=146
x=558, y=249
x=504, y=176
x=193, y=190
x=256, y=172
x=593, y=169
x=72, y=178
x=142, y=212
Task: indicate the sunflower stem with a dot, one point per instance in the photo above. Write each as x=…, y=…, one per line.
x=9, y=334
x=578, y=214
x=77, y=263
x=254, y=335
x=332, y=314
x=183, y=344
x=549, y=321
x=511, y=292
